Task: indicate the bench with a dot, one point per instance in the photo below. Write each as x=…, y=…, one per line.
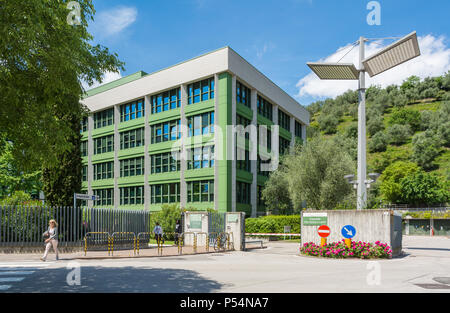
x=254, y=241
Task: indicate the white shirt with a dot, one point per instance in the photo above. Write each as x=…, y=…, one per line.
x=157, y=230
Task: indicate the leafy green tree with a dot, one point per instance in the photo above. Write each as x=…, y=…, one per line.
x=43, y=61
x=421, y=188
x=328, y=123
x=276, y=192
x=390, y=186
x=375, y=124
x=406, y=117
x=378, y=142
x=315, y=174
x=426, y=147
x=398, y=134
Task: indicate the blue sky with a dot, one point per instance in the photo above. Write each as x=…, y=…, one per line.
x=277, y=37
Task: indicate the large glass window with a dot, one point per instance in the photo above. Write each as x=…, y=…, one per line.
x=132, y=195
x=165, y=193
x=132, y=167
x=264, y=107
x=84, y=125
x=132, y=138
x=200, y=157
x=284, y=120
x=244, y=122
x=298, y=129
x=84, y=173
x=243, y=94
x=104, y=144
x=202, y=124
x=165, y=101
x=132, y=110
x=104, y=118
x=243, y=160
x=164, y=162
x=201, y=91
x=243, y=192
x=106, y=196
x=265, y=141
x=200, y=191
x=84, y=148
x=167, y=131
x=104, y=170
x=284, y=145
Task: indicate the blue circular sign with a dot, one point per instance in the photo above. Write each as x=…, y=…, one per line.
x=348, y=231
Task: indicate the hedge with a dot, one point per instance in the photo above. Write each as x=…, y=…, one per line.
x=273, y=224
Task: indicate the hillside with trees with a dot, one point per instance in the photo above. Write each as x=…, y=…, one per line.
x=408, y=143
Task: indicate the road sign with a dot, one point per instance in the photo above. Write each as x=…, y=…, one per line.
x=324, y=231
x=80, y=196
x=348, y=231
x=315, y=219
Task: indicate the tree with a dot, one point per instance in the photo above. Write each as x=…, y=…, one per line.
x=328, y=123
x=378, y=142
x=315, y=174
x=426, y=147
x=398, y=134
x=390, y=180
x=43, y=61
x=375, y=124
x=421, y=188
x=276, y=192
x=406, y=117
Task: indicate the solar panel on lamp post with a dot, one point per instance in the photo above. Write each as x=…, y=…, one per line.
x=395, y=54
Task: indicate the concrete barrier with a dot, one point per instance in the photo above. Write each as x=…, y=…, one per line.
x=370, y=225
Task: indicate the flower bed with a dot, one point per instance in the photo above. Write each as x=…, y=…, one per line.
x=339, y=250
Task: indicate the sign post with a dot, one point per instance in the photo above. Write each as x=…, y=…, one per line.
x=324, y=232
x=80, y=196
x=348, y=232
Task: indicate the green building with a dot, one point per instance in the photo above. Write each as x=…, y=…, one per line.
x=200, y=134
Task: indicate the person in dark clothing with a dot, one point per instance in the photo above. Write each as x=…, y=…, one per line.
x=178, y=231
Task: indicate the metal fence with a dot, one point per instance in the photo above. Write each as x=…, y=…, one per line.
x=24, y=226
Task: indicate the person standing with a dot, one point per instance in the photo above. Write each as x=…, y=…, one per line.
x=158, y=233
x=178, y=231
x=52, y=240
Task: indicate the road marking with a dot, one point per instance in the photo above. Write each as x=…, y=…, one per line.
x=29, y=264
x=11, y=279
x=4, y=287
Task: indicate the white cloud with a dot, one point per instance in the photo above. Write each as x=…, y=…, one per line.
x=107, y=78
x=433, y=61
x=113, y=21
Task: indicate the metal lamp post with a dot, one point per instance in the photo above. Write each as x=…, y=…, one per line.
x=395, y=54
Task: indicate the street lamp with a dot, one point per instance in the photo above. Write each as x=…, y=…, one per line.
x=351, y=180
x=395, y=54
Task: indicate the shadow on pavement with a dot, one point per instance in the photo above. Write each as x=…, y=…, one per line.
x=117, y=280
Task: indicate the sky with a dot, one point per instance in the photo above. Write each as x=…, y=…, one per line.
x=278, y=37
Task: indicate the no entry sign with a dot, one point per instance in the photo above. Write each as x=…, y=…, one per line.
x=324, y=231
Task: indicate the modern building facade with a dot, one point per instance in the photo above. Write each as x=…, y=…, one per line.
x=172, y=136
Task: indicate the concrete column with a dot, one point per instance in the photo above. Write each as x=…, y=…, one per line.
x=116, y=159
x=90, y=153
x=304, y=133
x=234, y=147
x=292, y=120
x=183, y=151
x=275, y=140
x=216, y=143
x=254, y=154
x=147, y=165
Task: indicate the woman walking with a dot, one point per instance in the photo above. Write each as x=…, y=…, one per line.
x=52, y=240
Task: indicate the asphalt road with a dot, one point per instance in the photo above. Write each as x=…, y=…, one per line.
x=424, y=268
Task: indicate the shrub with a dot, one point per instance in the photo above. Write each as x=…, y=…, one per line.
x=398, y=134
x=406, y=117
x=421, y=188
x=339, y=250
x=328, y=123
x=375, y=125
x=425, y=148
x=167, y=218
x=378, y=143
x=272, y=224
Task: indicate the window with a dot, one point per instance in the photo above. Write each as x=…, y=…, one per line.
x=264, y=107
x=266, y=164
x=244, y=122
x=84, y=173
x=243, y=192
x=284, y=120
x=201, y=91
x=103, y=144
x=260, y=200
x=165, y=193
x=84, y=148
x=132, y=195
x=106, y=197
x=243, y=160
x=298, y=129
x=165, y=162
x=266, y=138
x=104, y=118
x=165, y=101
x=243, y=95
x=104, y=170
x=200, y=191
x=167, y=131
x=84, y=125
x=200, y=157
x=132, y=138
x=132, y=110
x=132, y=167
x=284, y=145
x=202, y=124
